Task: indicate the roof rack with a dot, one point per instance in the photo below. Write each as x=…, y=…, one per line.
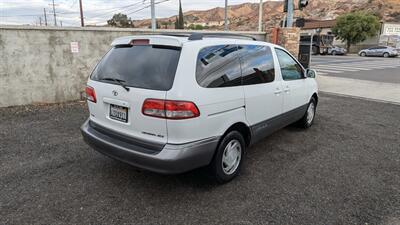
x=199, y=36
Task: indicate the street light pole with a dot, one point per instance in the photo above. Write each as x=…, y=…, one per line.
x=54, y=13
x=311, y=45
x=153, y=16
x=45, y=17
x=226, y=15
x=260, y=12
x=290, y=13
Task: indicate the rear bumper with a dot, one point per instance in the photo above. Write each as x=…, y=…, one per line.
x=171, y=159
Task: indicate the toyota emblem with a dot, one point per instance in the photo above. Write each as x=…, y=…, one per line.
x=115, y=93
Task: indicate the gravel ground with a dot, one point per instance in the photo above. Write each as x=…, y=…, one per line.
x=344, y=170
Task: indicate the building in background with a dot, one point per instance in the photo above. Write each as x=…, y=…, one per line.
x=390, y=35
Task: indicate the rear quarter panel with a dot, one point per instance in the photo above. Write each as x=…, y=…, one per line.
x=219, y=107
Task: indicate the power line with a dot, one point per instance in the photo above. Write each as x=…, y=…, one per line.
x=115, y=9
x=147, y=6
x=20, y=15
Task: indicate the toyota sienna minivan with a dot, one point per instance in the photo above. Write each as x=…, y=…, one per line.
x=170, y=104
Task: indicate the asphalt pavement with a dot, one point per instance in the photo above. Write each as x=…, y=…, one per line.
x=378, y=69
x=343, y=170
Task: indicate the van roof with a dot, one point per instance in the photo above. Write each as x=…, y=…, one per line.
x=177, y=39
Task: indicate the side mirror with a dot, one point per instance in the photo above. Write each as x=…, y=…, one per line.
x=311, y=73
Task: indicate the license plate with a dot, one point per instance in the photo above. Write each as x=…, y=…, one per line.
x=119, y=113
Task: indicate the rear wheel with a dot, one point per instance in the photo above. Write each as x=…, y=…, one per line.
x=386, y=55
x=363, y=54
x=229, y=156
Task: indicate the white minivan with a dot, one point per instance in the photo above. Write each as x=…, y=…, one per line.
x=170, y=104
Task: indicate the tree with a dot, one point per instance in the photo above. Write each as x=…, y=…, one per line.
x=179, y=24
x=196, y=27
x=120, y=20
x=355, y=27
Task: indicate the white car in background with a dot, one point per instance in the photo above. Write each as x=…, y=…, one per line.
x=336, y=50
x=171, y=104
x=384, y=51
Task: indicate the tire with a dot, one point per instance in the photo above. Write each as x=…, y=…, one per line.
x=363, y=54
x=308, y=118
x=229, y=154
x=333, y=52
x=386, y=55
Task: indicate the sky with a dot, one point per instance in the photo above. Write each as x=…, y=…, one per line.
x=96, y=12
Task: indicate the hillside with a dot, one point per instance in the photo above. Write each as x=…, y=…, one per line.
x=245, y=16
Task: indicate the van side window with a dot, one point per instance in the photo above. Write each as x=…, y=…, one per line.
x=257, y=64
x=290, y=69
x=218, y=66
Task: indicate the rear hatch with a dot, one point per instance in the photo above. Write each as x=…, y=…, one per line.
x=126, y=76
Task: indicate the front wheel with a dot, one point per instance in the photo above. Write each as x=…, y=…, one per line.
x=229, y=156
x=333, y=52
x=363, y=54
x=308, y=118
x=386, y=55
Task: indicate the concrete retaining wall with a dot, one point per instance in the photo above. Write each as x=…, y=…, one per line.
x=37, y=65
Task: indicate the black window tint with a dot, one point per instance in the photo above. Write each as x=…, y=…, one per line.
x=257, y=64
x=146, y=66
x=290, y=69
x=218, y=66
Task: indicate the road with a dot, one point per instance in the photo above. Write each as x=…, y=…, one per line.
x=344, y=170
x=374, y=78
x=377, y=69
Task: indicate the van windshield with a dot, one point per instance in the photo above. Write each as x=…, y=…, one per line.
x=144, y=66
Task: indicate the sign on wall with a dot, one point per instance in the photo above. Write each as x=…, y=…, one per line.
x=74, y=47
x=391, y=29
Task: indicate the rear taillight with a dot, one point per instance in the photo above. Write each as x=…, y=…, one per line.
x=139, y=42
x=170, y=109
x=90, y=94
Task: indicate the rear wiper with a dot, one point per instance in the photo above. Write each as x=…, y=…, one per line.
x=120, y=82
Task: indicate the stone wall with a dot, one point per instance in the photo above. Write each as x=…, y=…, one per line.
x=285, y=37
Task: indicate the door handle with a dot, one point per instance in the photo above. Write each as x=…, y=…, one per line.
x=286, y=90
x=278, y=91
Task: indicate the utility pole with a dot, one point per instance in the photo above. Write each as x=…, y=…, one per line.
x=80, y=7
x=45, y=17
x=54, y=13
x=260, y=12
x=61, y=23
x=290, y=13
x=153, y=15
x=226, y=16
x=40, y=20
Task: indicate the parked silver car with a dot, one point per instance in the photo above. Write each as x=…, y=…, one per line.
x=384, y=51
x=336, y=50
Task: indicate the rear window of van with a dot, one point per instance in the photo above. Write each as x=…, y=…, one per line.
x=143, y=66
